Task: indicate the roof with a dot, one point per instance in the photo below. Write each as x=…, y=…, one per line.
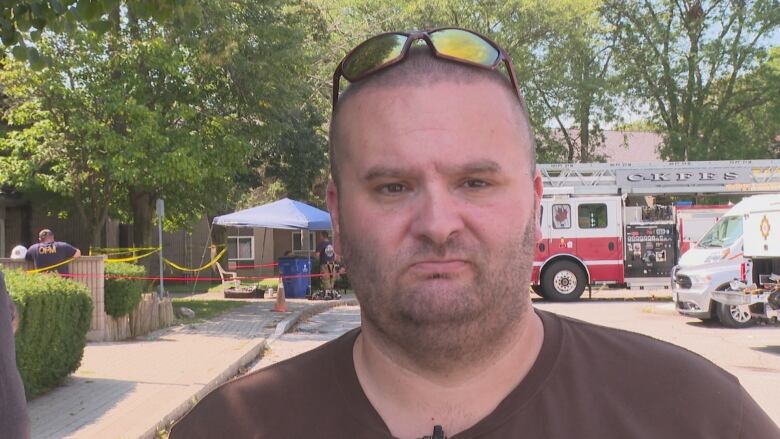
x=752, y=204
x=632, y=146
x=628, y=146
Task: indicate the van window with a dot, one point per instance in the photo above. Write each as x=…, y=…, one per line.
x=592, y=216
x=561, y=216
x=541, y=216
x=723, y=233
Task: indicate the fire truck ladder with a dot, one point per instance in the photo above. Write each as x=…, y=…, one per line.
x=669, y=178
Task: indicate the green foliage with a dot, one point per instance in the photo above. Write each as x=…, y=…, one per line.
x=55, y=317
x=153, y=110
x=23, y=22
x=690, y=63
x=123, y=295
x=562, y=52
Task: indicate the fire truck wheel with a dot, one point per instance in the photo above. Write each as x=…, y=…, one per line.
x=734, y=316
x=564, y=281
x=539, y=291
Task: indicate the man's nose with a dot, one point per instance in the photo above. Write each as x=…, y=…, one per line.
x=438, y=216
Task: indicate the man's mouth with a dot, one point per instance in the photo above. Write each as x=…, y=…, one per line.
x=438, y=268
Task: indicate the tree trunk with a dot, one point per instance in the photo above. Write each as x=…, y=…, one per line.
x=142, y=204
x=585, y=132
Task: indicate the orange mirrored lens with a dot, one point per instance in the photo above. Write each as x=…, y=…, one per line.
x=373, y=53
x=464, y=45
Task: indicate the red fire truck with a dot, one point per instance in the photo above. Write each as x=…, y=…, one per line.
x=600, y=224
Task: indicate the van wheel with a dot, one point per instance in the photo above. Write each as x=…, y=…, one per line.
x=735, y=316
x=563, y=281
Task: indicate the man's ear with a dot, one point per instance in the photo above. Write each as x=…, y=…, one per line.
x=538, y=192
x=332, y=199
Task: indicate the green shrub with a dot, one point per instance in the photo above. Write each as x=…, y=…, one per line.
x=123, y=295
x=55, y=316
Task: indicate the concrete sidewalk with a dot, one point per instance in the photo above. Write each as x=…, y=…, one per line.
x=137, y=388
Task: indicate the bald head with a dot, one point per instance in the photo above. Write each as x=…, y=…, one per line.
x=421, y=69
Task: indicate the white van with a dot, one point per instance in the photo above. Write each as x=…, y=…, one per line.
x=712, y=264
x=759, y=289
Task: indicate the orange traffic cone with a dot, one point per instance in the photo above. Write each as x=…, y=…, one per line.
x=281, y=305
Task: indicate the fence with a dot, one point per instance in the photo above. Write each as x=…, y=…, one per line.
x=149, y=315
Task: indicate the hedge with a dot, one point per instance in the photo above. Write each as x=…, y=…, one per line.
x=55, y=316
x=123, y=295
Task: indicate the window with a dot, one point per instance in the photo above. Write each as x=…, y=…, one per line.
x=241, y=248
x=592, y=216
x=723, y=233
x=296, y=241
x=561, y=216
x=541, y=216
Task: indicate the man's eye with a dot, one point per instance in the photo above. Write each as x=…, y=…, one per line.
x=475, y=184
x=392, y=188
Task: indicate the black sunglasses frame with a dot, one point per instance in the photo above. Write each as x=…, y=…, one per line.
x=411, y=37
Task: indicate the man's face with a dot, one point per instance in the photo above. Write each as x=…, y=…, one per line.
x=435, y=213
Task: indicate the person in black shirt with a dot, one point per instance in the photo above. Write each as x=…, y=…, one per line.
x=48, y=252
x=327, y=256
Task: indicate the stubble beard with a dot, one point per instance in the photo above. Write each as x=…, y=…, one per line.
x=436, y=326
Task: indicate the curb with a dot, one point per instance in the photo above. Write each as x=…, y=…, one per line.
x=232, y=370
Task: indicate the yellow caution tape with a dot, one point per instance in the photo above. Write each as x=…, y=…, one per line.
x=50, y=267
x=212, y=262
x=132, y=258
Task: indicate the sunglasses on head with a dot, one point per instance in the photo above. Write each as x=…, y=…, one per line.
x=454, y=44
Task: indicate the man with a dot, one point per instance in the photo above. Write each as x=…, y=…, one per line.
x=50, y=253
x=435, y=203
x=327, y=257
x=14, y=421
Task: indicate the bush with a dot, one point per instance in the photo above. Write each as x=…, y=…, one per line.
x=123, y=295
x=55, y=315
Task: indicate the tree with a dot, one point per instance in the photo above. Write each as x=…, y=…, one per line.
x=561, y=49
x=24, y=21
x=684, y=60
x=146, y=111
x=85, y=133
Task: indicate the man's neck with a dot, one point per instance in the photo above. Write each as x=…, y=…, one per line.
x=412, y=399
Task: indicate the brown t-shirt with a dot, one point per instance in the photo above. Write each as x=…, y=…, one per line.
x=588, y=382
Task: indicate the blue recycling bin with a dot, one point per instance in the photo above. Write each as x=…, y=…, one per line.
x=296, y=277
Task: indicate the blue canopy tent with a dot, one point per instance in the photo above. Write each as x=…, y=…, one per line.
x=283, y=214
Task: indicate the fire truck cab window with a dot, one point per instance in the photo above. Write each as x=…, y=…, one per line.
x=561, y=214
x=592, y=216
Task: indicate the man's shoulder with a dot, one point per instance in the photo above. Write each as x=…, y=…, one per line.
x=292, y=385
x=637, y=374
x=606, y=344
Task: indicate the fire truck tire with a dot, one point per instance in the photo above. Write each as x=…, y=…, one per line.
x=734, y=316
x=538, y=290
x=563, y=281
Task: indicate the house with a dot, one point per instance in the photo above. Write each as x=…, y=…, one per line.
x=253, y=251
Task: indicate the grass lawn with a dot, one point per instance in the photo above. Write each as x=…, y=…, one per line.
x=179, y=288
x=208, y=309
